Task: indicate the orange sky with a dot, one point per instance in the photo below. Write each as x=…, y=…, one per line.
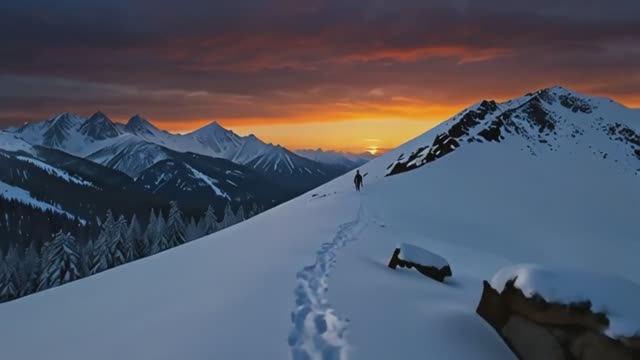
x=376, y=132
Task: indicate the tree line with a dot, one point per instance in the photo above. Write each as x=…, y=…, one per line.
x=64, y=258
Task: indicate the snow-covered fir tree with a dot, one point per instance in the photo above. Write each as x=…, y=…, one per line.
x=118, y=242
x=174, y=232
x=136, y=241
x=9, y=283
x=61, y=261
x=229, y=217
x=29, y=270
x=240, y=214
x=210, y=221
x=150, y=235
x=191, y=232
x=101, y=258
x=157, y=234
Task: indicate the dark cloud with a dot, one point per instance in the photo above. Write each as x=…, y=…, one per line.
x=198, y=59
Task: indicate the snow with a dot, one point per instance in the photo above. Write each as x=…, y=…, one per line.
x=335, y=157
x=55, y=171
x=208, y=181
x=417, y=255
x=613, y=295
x=11, y=192
x=244, y=292
x=11, y=142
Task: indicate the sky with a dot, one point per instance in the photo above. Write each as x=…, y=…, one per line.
x=337, y=74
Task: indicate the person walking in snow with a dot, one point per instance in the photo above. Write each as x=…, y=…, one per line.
x=358, y=180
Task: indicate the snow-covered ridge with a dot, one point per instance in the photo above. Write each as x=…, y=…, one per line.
x=56, y=172
x=10, y=192
x=209, y=181
x=548, y=119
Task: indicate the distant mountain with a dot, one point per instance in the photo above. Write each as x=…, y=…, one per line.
x=200, y=181
x=348, y=160
x=98, y=127
x=293, y=171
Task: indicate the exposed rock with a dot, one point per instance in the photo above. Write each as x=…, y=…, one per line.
x=593, y=346
x=531, y=341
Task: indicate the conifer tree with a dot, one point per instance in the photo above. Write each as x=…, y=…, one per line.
x=102, y=259
x=135, y=240
x=210, y=221
x=229, y=216
x=29, y=270
x=174, y=233
x=61, y=261
x=191, y=232
x=9, y=287
x=118, y=242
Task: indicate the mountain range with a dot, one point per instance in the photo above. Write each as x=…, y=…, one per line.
x=138, y=144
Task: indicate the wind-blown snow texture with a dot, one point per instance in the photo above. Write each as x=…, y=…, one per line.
x=231, y=295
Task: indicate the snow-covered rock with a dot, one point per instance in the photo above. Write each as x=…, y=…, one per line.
x=612, y=295
x=426, y=262
x=548, y=313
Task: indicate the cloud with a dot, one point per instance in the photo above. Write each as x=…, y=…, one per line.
x=317, y=60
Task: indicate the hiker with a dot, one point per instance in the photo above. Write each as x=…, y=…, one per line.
x=358, y=180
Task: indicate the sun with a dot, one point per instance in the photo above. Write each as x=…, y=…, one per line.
x=372, y=149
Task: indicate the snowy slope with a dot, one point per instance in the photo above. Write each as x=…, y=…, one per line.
x=310, y=276
x=11, y=142
x=10, y=192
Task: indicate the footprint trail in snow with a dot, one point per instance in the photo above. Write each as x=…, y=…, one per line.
x=318, y=333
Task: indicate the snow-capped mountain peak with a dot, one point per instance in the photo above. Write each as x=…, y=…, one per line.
x=59, y=128
x=99, y=127
x=217, y=139
x=140, y=126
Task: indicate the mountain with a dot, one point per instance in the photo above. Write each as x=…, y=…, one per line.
x=546, y=120
x=348, y=160
x=130, y=155
x=98, y=127
x=293, y=171
x=201, y=181
x=46, y=190
x=309, y=278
